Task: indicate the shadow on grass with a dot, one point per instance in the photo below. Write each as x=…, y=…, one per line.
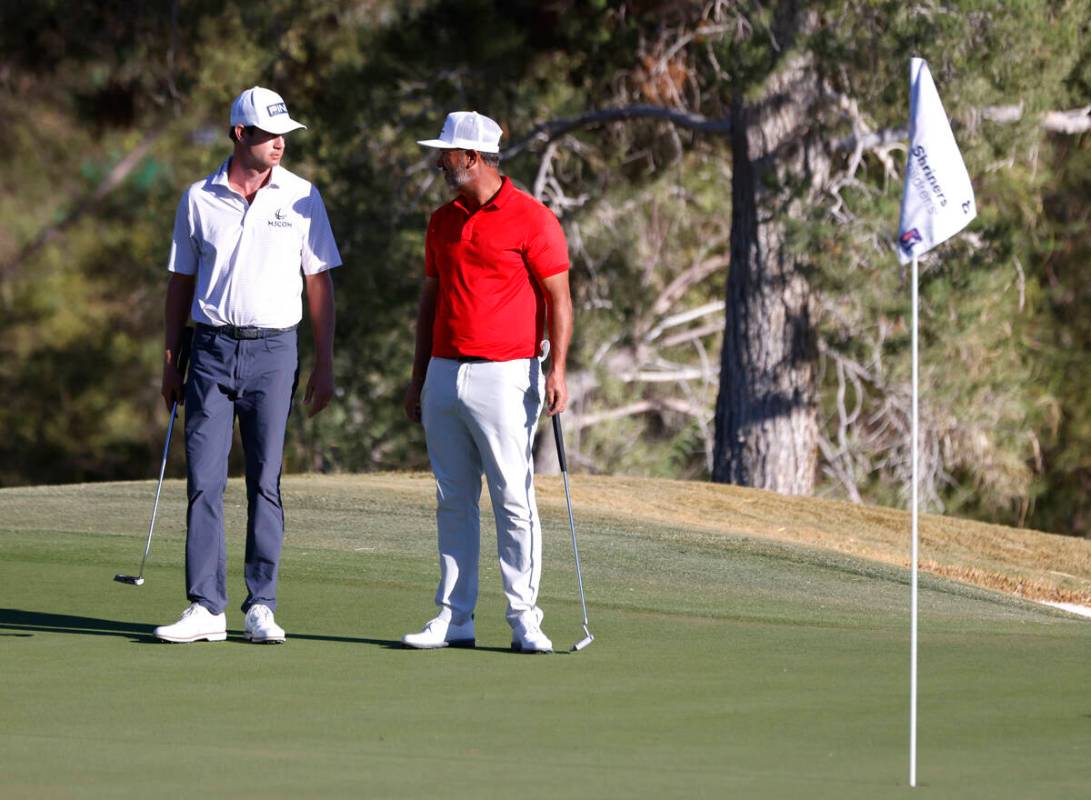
x=29, y=622
x=26, y=623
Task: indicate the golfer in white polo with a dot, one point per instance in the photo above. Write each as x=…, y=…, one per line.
x=246, y=240
x=496, y=275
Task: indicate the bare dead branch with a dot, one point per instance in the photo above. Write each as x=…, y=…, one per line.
x=640, y=407
x=691, y=277
x=544, y=170
x=1076, y=120
x=664, y=376
x=683, y=317
x=553, y=129
x=1073, y=121
x=694, y=334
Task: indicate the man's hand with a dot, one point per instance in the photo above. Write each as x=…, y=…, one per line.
x=412, y=399
x=319, y=388
x=556, y=392
x=171, y=386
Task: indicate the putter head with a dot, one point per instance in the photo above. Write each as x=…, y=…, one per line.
x=130, y=579
x=582, y=643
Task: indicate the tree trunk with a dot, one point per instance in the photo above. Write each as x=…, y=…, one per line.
x=766, y=412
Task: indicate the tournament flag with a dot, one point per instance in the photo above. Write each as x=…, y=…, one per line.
x=938, y=200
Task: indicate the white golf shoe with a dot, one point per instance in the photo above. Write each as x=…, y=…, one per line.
x=261, y=627
x=197, y=623
x=529, y=638
x=441, y=633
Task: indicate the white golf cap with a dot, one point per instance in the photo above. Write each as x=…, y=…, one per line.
x=467, y=130
x=264, y=109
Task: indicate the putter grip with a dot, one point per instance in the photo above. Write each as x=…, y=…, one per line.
x=559, y=437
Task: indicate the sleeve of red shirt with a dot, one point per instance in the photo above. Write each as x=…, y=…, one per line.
x=546, y=248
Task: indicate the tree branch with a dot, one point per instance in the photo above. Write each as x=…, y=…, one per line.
x=1076, y=120
x=676, y=405
x=683, y=317
x=1072, y=121
x=553, y=129
x=114, y=178
x=692, y=276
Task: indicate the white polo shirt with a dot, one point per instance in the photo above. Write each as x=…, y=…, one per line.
x=250, y=259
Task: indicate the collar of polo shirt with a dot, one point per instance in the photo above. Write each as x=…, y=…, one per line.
x=275, y=176
x=496, y=201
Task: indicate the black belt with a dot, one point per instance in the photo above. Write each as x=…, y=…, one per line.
x=244, y=331
x=472, y=359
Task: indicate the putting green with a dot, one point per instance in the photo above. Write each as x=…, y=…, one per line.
x=723, y=666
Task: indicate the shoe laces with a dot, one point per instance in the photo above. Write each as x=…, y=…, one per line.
x=261, y=614
x=194, y=608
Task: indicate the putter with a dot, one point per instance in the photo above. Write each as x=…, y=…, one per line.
x=183, y=358
x=559, y=436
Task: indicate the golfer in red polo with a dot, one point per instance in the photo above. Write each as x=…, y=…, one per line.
x=496, y=275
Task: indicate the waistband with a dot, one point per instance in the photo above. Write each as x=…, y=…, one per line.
x=473, y=360
x=244, y=331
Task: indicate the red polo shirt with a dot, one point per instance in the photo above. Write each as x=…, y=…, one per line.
x=488, y=263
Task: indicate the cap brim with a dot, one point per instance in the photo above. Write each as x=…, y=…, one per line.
x=439, y=143
x=283, y=127
x=463, y=145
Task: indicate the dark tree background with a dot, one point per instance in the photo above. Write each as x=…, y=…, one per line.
x=728, y=174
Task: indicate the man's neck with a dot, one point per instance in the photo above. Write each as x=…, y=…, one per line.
x=479, y=192
x=246, y=181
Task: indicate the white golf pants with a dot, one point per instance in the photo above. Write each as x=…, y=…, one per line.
x=479, y=418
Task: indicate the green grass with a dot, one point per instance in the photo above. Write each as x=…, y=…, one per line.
x=723, y=666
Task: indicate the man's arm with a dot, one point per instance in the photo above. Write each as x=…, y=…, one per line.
x=426, y=318
x=176, y=312
x=559, y=303
x=323, y=318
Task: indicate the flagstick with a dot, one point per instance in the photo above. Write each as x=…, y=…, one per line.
x=922, y=225
x=913, y=625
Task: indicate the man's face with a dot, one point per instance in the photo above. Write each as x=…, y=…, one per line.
x=259, y=149
x=453, y=164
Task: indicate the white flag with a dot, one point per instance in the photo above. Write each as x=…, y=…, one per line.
x=938, y=200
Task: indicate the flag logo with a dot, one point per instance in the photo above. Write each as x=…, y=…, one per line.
x=908, y=239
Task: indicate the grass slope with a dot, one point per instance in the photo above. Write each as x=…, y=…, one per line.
x=730, y=659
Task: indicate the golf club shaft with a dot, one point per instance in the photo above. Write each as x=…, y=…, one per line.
x=159, y=486
x=181, y=361
x=558, y=435
x=575, y=549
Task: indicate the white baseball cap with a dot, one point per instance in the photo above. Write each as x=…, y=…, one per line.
x=467, y=130
x=264, y=109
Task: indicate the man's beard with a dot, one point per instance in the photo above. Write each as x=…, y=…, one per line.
x=456, y=177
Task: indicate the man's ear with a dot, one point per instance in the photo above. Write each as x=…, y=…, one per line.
x=240, y=132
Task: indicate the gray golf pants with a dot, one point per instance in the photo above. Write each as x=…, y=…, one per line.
x=479, y=418
x=254, y=380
